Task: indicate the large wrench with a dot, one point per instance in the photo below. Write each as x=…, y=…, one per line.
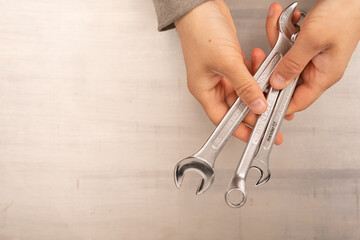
x=203, y=161
x=258, y=156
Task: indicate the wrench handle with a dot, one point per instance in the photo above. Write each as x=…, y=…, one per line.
x=223, y=132
x=256, y=136
x=275, y=122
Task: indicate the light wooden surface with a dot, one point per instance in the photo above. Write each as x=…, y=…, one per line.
x=95, y=112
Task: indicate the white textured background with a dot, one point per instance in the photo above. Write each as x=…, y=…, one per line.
x=95, y=113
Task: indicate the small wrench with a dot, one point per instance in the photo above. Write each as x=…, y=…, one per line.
x=203, y=161
x=261, y=160
x=238, y=181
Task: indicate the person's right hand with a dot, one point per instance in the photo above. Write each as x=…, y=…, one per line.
x=217, y=70
x=327, y=39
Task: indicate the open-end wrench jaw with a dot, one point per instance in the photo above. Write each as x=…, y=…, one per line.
x=198, y=165
x=264, y=170
x=285, y=21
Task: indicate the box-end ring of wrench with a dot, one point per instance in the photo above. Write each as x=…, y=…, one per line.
x=203, y=161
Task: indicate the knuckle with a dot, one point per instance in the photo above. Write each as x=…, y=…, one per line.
x=229, y=57
x=291, y=66
x=246, y=90
x=228, y=63
x=317, y=43
x=314, y=33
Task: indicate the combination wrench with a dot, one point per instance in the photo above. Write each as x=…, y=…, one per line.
x=256, y=156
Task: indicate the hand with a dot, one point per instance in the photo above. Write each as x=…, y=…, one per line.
x=328, y=36
x=217, y=70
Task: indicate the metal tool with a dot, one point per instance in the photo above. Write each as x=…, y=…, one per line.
x=203, y=161
x=286, y=39
x=273, y=118
x=238, y=181
x=261, y=160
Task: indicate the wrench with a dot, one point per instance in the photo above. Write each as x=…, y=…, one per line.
x=238, y=181
x=266, y=139
x=261, y=160
x=203, y=161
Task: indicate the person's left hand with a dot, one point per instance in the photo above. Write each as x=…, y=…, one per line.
x=217, y=70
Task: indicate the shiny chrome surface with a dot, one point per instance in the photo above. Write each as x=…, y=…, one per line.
x=238, y=181
x=261, y=160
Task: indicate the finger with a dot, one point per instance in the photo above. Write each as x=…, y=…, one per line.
x=257, y=57
x=230, y=99
x=296, y=17
x=279, y=138
x=244, y=84
x=243, y=132
x=290, y=116
x=248, y=64
x=304, y=95
x=272, y=31
x=250, y=119
x=294, y=62
x=216, y=110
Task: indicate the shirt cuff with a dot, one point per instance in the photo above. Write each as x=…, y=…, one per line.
x=168, y=11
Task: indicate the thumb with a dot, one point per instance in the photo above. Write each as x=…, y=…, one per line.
x=245, y=86
x=294, y=62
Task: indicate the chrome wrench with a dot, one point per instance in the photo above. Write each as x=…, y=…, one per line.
x=203, y=161
x=261, y=160
x=255, y=156
x=238, y=181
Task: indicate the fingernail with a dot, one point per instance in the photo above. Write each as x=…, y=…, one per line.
x=278, y=81
x=258, y=106
x=271, y=12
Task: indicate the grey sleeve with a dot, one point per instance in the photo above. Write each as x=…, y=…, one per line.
x=168, y=11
